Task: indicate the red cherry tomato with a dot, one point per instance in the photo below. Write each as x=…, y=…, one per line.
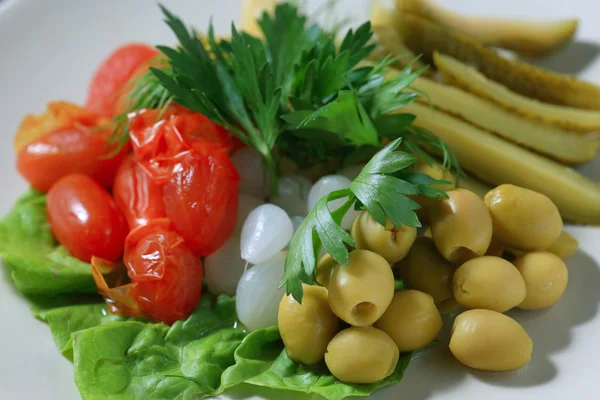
x=166, y=276
x=136, y=195
x=161, y=144
x=69, y=151
x=85, y=219
x=201, y=199
x=114, y=72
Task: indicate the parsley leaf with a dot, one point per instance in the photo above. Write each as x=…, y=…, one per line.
x=381, y=188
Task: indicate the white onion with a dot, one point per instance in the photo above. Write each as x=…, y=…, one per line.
x=224, y=268
x=351, y=171
x=249, y=164
x=258, y=293
x=246, y=203
x=326, y=185
x=267, y=230
x=293, y=194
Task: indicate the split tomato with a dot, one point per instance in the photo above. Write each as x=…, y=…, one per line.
x=65, y=140
x=113, y=74
x=139, y=198
x=166, y=276
x=201, y=199
x=85, y=219
x=161, y=140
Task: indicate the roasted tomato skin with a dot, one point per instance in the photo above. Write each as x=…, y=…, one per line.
x=166, y=276
x=161, y=139
x=112, y=75
x=68, y=151
x=137, y=195
x=85, y=219
x=201, y=199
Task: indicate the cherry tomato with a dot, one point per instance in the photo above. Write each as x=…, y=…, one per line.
x=161, y=140
x=114, y=72
x=201, y=199
x=136, y=195
x=166, y=276
x=68, y=151
x=85, y=219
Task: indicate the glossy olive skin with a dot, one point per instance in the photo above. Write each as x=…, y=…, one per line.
x=360, y=292
x=546, y=277
x=523, y=219
x=412, y=320
x=324, y=269
x=488, y=282
x=490, y=341
x=426, y=270
x=306, y=329
x=565, y=246
x=461, y=226
x=435, y=171
x=361, y=355
x=388, y=241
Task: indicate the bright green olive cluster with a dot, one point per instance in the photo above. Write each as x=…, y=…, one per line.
x=457, y=264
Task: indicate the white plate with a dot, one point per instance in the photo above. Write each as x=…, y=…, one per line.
x=49, y=49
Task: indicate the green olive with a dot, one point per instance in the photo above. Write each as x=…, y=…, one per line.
x=565, y=246
x=426, y=270
x=490, y=341
x=437, y=172
x=523, y=219
x=361, y=355
x=488, y=282
x=388, y=241
x=545, y=276
x=307, y=328
x=324, y=268
x=360, y=292
x=461, y=226
x=412, y=320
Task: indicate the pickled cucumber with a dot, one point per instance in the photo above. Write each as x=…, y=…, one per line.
x=425, y=37
x=563, y=146
x=532, y=38
x=498, y=161
x=468, y=78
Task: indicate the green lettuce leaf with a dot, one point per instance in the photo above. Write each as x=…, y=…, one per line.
x=38, y=265
x=134, y=360
x=262, y=360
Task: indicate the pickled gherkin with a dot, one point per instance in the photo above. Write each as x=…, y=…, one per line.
x=468, y=78
x=425, y=37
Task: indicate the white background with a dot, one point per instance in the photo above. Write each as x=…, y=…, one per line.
x=49, y=49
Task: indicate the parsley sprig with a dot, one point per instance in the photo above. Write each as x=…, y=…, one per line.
x=381, y=188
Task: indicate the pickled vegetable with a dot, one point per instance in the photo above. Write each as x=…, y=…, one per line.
x=388, y=241
x=423, y=36
x=468, y=78
x=563, y=146
x=411, y=320
x=361, y=355
x=490, y=341
x=426, y=270
x=545, y=276
x=532, y=38
x=488, y=282
x=360, y=292
x=461, y=226
x=388, y=40
x=523, y=219
x=325, y=267
x=306, y=329
x=565, y=246
x=497, y=161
